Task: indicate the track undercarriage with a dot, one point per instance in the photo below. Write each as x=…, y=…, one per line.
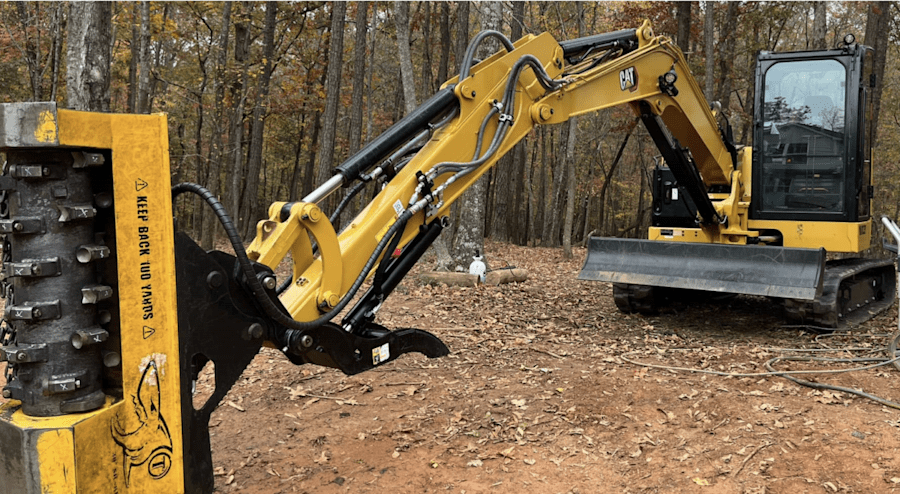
x=853, y=291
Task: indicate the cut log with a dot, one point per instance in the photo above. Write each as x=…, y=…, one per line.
x=449, y=278
x=502, y=276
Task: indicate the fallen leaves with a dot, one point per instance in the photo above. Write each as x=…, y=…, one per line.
x=535, y=390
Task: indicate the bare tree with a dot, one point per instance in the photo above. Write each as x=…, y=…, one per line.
x=359, y=74
x=441, y=246
x=570, y=162
x=238, y=98
x=31, y=50
x=725, y=50
x=131, y=102
x=332, y=93
x=469, y=238
x=877, y=29
x=251, y=207
x=217, y=151
x=401, y=12
x=88, y=56
x=709, y=48
x=444, y=63
x=819, y=26
x=683, y=16
x=142, y=100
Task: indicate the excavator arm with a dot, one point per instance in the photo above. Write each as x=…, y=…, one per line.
x=462, y=132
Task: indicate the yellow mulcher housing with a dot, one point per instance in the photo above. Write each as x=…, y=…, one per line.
x=111, y=314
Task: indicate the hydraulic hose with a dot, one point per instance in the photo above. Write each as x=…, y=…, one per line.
x=466, y=65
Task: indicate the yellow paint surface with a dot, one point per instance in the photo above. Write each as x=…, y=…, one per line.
x=46, y=127
x=55, y=451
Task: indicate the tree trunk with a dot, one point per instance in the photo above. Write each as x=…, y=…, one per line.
x=462, y=32
x=709, y=49
x=551, y=237
x=200, y=166
x=239, y=98
x=570, y=189
x=531, y=211
x=877, y=28
x=401, y=12
x=359, y=81
x=58, y=24
x=332, y=94
x=444, y=62
x=31, y=52
x=251, y=204
x=309, y=183
x=570, y=162
x=517, y=205
x=425, y=82
x=541, y=173
x=819, y=26
x=142, y=101
x=469, y=239
x=131, y=103
x=726, y=58
x=217, y=146
x=683, y=17
x=88, y=56
x=444, y=243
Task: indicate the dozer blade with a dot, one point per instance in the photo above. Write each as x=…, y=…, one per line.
x=747, y=269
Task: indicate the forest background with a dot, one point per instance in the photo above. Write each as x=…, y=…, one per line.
x=264, y=99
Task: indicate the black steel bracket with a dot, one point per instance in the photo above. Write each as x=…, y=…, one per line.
x=217, y=322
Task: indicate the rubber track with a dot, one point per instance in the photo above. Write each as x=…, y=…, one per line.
x=635, y=298
x=827, y=311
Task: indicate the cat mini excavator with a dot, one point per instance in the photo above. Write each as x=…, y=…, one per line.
x=111, y=313
x=758, y=221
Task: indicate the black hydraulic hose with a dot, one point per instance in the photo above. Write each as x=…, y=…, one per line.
x=246, y=267
x=244, y=262
x=290, y=338
x=346, y=200
x=508, y=105
x=466, y=65
x=386, y=260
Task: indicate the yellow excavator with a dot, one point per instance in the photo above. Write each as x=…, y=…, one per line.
x=111, y=313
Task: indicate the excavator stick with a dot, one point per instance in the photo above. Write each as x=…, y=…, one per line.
x=746, y=269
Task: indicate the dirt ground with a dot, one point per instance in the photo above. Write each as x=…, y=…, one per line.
x=537, y=396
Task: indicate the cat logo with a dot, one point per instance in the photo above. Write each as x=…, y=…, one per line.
x=628, y=79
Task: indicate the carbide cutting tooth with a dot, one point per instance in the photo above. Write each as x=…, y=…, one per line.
x=89, y=336
x=88, y=253
x=76, y=213
x=92, y=294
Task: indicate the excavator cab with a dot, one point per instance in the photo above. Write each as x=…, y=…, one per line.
x=810, y=142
